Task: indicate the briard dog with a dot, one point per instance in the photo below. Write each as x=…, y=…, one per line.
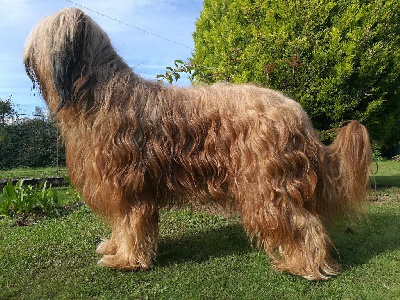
x=134, y=146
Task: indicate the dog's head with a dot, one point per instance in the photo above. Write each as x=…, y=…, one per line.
x=62, y=55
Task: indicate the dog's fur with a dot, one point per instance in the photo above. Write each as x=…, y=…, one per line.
x=134, y=145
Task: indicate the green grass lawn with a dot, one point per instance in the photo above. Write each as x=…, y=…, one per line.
x=21, y=173
x=201, y=256
x=387, y=173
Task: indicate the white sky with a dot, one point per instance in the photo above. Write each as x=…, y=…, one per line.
x=147, y=54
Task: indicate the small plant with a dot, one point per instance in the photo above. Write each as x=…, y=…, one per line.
x=72, y=193
x=20, y=198
x=377, y=155
x=46, y=198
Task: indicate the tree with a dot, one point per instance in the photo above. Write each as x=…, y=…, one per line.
x=6, y=111
x=28, y=142
x=339, y=59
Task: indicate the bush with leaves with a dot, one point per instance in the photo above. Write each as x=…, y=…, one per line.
x=339, y=59
x=30, y=143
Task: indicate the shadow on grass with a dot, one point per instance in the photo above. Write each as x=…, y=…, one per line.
x=386, y=181
x=355, y=246
x=203, y=245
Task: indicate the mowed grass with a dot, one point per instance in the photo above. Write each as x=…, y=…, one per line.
x=387, y=173
x=201, y=256
x=22, y=173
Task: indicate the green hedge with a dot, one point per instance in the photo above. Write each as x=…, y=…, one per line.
x=339, y=59
x=30, y=143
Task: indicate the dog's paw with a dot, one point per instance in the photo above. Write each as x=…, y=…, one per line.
x=107, y=247
x=123, y=263
x=310, y=270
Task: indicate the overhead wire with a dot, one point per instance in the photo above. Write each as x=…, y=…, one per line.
x=129, y=25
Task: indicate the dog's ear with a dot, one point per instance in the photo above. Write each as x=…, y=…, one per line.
x=67, y=62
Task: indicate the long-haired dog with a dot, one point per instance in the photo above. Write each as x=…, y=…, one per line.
x=134, y=146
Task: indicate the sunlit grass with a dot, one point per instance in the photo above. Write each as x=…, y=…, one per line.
x=201, y=256
x=21, y=173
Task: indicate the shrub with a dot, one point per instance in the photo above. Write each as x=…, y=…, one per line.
x=30, y=143
x=339, y=59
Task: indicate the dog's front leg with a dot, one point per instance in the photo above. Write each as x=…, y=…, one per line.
x=134, y=240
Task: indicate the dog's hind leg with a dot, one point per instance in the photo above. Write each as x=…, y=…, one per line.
x=293, y=237
x=306, y=249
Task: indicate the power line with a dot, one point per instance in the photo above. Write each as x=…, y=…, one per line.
x=129, y=25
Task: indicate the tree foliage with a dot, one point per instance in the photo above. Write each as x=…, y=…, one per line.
x=28, y=142
x=339, y=59
x=6, y=111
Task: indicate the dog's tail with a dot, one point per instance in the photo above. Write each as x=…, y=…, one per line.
x=346, y=170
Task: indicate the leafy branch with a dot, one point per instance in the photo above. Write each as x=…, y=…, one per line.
x=173, y=73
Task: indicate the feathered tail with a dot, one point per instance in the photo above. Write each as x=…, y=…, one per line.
x=345, y=171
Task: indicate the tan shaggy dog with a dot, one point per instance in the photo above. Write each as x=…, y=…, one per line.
x=134, y=146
